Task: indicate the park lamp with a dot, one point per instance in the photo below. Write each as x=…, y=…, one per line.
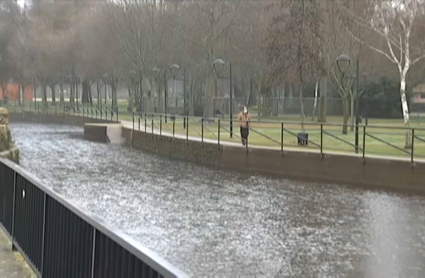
x=218, y=65
x=343, y=63
x=364, y=77
x=156, y=71
x=174, y=68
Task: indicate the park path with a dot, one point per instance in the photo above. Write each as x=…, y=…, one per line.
x=12, y=264
x=156, y=131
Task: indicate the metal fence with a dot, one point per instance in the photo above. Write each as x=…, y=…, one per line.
x=107, y=113
x=368, y=140
x=59, y=240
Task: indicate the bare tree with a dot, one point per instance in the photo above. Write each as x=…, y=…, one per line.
x=395, y=23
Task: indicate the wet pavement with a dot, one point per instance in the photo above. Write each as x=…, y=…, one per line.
x=212, y=223
x=12, y=264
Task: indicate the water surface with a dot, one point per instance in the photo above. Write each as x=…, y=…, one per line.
x=213, y=223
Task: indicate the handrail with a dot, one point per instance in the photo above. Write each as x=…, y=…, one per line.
x=142, y=253
x=387, y=143
x=289, y=122
x=340, y=139
x=265, y=136
x=296, y=135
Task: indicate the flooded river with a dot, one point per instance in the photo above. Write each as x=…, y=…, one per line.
x=212, y=223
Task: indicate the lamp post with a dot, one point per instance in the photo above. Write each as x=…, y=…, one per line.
x=218, y=65
x=343, y=63
x=365, y=93
x=156, y=72
x=105, y=76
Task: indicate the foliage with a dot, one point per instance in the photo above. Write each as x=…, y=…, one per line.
x=381, y=100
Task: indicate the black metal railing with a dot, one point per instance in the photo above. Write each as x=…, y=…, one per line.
x=101, y=112
x=59, y=240
x=380, y=140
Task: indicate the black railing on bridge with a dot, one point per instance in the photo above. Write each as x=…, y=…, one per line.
x=101, y=112
x=59, y=240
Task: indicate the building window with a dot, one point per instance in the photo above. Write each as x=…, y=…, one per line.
x=423, y=95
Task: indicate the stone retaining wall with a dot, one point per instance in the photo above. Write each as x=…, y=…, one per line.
x=341, y=169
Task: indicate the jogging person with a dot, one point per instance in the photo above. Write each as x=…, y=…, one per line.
x=244, y=119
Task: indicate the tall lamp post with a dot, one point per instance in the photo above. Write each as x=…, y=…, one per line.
x=218, y=65
x=105, y=76
x=365, y=93
x=156, y=72
x=343, y=63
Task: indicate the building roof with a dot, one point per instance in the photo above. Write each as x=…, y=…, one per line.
x=419, y=89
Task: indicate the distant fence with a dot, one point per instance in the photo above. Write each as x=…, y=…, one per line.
x=324, y=138
x=59, y=240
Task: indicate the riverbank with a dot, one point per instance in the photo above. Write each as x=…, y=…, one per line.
x=296, y=163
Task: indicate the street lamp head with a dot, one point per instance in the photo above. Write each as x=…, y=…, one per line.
x=218, y=65
x=155, y=70
x=343, y=63
x=174, y=68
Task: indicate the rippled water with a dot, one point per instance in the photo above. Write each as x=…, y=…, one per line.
x=212, y=223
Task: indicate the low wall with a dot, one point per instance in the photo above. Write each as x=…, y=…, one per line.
x=96, y=133
x=104, y=133
x=32, y=117
x=342, y=169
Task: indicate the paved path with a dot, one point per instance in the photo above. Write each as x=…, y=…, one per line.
x=129, y=124
x=12, y=264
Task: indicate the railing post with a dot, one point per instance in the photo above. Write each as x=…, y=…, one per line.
x=202, y=131
x=364, y=144
x=160, y=125
x=133, y=121
x=14, y=208
x=281, y=139
x=174, y=127
x=93, y=253
x=152, y=125
x=139, y=120
x=146, y=122
x=321, y=140
x=44, y=234
x=218, y=137
x=187, y=131
x=412, y=151
x=184, y=122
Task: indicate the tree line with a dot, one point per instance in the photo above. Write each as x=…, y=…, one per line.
x=274, y=47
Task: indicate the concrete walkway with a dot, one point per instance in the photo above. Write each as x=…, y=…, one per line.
x=129, y=124
x=12, y=264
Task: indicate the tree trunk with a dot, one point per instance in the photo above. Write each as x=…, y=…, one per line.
x=209, y=96
x=44, y=85
x=130, y=99
x=90, y=94
x=316, y=92
x=405, y=109
x=21, y=93
x=85, y=93
x=98, y=94
x=52, y=88
x=352, y=99
x=322, y=107
x=72, y=91
x=114, y=85
x=345, y=113
x=61, y=93
x=302, y=107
